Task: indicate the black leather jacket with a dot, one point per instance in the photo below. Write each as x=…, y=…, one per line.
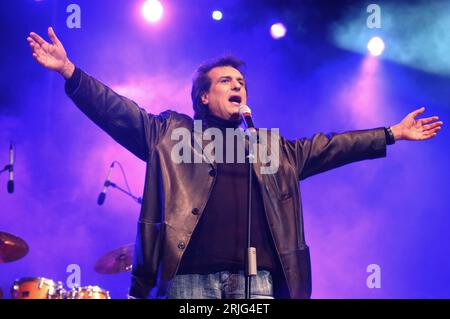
x=175, y=195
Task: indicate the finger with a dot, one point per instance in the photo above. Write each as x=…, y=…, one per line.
x=417, y=112
x=428, y=136
x=33, y=43
x=37, y=38
x=428, y=119
x=42, y=47
x=36, y=48
x=431, y=126
x=33, y=48
x=38, y=52
x=433, y=131
x=30, y=40
x=38, y=58
x=53, y=36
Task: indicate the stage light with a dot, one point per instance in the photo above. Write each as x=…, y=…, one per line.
x=375, y=46
x=152, y=10
x=278, y=30
x=217, y=15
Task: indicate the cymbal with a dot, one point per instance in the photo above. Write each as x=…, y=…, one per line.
x=116, y=261
x=11, y=247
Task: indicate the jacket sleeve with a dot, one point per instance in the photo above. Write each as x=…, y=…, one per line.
x=118, y=116
x=324, y=152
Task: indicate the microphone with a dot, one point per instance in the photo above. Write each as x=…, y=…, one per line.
x=11, y=170
x=102, y=195
x=246, y=114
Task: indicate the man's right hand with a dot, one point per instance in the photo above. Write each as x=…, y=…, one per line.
x=51, y=56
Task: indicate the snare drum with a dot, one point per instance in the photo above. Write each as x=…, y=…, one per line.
x=37, y=288
x=88, y=292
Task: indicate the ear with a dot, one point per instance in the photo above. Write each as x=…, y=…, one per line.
x=205, y=99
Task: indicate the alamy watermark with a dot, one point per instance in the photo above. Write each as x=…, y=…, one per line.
x=200, y=146
x=74, y=279
x=73, y=20
x=374, y=19
x=374, y=279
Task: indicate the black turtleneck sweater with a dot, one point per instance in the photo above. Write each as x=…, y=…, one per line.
x=219, y=240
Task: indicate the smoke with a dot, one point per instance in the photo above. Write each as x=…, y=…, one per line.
x=415, y=35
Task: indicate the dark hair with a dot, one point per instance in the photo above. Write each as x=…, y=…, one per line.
x=201, y=81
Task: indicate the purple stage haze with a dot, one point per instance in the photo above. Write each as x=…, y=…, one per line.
x=391, y=212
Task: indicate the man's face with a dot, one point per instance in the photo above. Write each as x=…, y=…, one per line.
x=226, y=94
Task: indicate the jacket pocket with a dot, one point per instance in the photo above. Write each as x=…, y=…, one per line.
x=275, y=187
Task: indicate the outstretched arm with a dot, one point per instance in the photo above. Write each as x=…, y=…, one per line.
x=416, y=130
x=51, y=56
x=117, y=115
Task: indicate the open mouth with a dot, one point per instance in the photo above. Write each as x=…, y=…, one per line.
x=235, y=99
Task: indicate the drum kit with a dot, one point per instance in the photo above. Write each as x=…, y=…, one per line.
x=13, y=248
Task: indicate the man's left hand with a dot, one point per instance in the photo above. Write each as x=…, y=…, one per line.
x=413, y=129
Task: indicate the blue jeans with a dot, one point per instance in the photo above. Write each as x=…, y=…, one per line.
x=221, y=285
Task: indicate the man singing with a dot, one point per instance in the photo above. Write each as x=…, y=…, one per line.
x=192, y=224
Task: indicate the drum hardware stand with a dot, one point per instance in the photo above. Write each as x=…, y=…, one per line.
x=108, y=183
x=136, y=199
x=10, y=168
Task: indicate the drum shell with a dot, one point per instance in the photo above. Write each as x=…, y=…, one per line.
x=88, y=292
x=37, y=288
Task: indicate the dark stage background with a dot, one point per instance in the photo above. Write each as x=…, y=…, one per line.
x=391, y=212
